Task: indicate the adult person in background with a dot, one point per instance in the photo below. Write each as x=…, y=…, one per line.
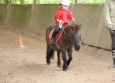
x=109, y=15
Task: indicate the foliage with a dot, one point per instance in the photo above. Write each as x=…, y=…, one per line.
x=93, y=1
x=72, y=1
x=4, y=1
x=53, y=1
x=7, y=1
x=49, y=1
x=24, y=1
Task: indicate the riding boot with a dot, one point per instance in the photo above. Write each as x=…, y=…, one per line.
x=113, y=53
x=53, y=39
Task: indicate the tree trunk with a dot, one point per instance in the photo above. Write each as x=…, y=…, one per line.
x=75, y=1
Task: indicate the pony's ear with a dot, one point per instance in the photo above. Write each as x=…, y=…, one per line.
x=79, y=26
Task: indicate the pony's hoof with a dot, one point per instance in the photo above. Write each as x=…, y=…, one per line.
x=65, y=69
x=59, y=66
x=114, y=65
x=48, y=63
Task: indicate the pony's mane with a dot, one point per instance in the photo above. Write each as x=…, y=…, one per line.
x=71, y=27
x=68, y=30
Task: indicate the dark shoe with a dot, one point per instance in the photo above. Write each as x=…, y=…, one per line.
x=113, y=59
x=113, y=62
x=114, y=65
x=53, y=41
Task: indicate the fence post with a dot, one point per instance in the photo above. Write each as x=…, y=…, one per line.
x=78, y=1
x=12, y=1
x=37, y=1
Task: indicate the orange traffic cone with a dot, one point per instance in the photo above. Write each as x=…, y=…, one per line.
x=61, y=58
x=20, y=44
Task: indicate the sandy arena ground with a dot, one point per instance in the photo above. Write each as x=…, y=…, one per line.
x=28, y=64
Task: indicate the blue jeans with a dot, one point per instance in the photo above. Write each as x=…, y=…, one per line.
x=56, y=28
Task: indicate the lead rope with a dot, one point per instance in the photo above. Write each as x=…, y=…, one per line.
x=57, y=45
x=71, y=7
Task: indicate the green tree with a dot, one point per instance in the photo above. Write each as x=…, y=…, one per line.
x=24, y=1
x=93, y=1
x=7, y=1
x=51, y=1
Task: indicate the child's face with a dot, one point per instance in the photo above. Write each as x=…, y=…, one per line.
x=64, y=7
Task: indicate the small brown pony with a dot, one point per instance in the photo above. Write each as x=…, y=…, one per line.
x=65, y=44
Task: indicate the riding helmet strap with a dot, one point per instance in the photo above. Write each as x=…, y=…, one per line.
x=63, y=30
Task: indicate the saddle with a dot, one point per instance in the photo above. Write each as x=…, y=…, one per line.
x=58, y=36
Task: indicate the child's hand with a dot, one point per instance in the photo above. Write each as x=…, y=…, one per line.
x=60, y=23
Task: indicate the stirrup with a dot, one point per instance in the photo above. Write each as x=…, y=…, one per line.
x=52, y=41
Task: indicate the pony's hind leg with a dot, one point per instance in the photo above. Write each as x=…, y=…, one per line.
x=58, y=61
x=49, y=54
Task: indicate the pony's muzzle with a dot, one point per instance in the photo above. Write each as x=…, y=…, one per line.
x=77, y=47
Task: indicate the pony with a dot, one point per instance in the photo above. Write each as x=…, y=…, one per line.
x=64, y=44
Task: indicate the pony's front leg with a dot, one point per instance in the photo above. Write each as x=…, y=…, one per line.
x=58, y=62
x=69, y=57
x=64, y=60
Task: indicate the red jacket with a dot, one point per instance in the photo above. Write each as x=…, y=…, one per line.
x=63, y=15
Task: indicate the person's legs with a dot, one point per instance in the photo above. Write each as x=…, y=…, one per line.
x=113, y=45
x=53, y=39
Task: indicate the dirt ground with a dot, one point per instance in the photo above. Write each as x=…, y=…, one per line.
x=28, y=64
